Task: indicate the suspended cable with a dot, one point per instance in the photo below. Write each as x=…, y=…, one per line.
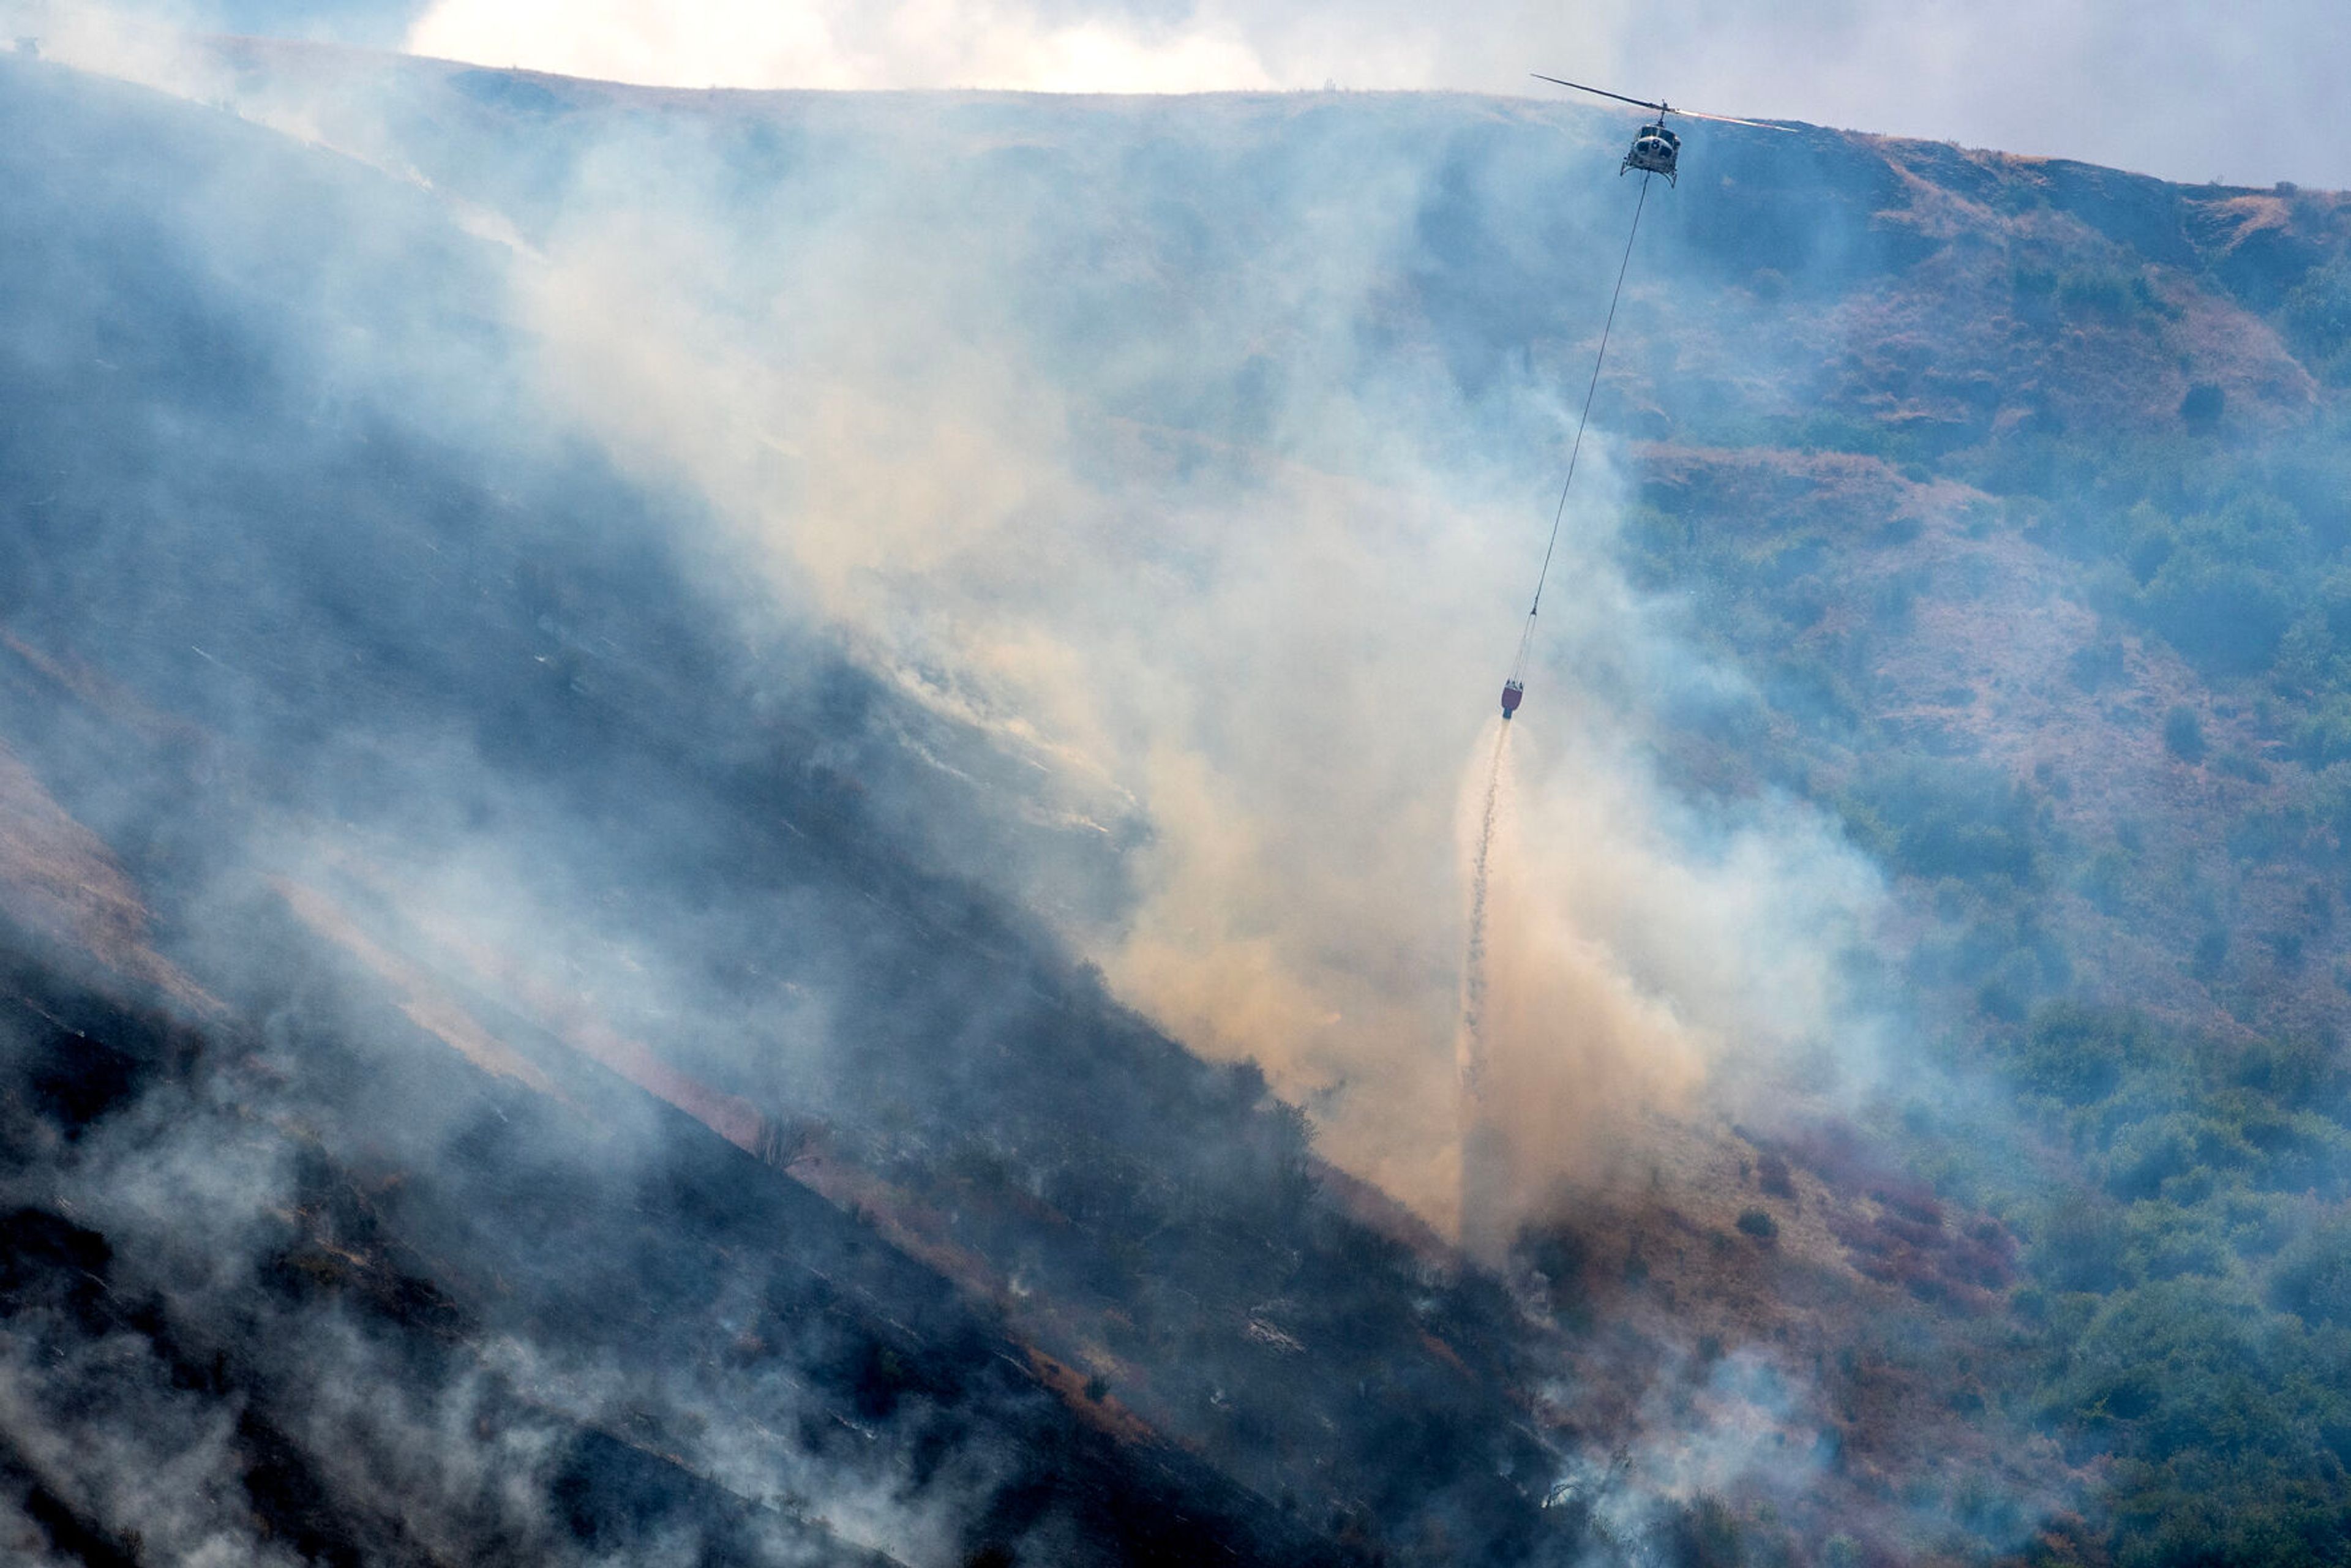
x=1526, y=637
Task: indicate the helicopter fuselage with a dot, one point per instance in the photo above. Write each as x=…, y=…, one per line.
x=1654, y=151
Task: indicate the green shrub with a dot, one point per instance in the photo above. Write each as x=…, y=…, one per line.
x=2145, y=1154
x=2105, y=294
x=2144, y=294
x=2317, y=312
x=1949, y=819
x=2225, y=616
x=2077, y=1053
x=2266, y=834
x=2080, y=1244
x=1702, y=1533
x=2105, y=880
x=2225, y=1422
x=2311, y=1276
x=2210, y=952
x=2201, y=409
x=2322, y=737
x=2295, y=1073
x=2183, y=736
x=2238, y=765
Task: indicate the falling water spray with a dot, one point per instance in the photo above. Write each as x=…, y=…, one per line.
x=1483, y=1172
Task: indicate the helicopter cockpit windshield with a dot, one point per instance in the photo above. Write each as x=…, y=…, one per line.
x=1654, y=151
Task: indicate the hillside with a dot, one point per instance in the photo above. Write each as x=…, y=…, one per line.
x=726, y=824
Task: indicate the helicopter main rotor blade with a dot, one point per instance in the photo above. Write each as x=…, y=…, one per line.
x=1600, y=92
x=1663, y=108
x=1727, y=120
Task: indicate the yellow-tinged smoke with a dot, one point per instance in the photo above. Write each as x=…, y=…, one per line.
x=1559, y=1048
x=1483, y=1155
x=1264, y=640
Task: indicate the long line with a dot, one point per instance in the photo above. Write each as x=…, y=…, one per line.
x=1526, y=637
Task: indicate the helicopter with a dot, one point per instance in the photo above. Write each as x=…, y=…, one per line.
x=1655, y=149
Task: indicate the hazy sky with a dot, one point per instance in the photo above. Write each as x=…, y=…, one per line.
x=2249, y=93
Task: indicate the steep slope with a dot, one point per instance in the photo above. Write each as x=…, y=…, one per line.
x=492, y=995
x=452, y=1196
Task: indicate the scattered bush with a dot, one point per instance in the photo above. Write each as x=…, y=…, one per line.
x=2105, y=879
x=1755, y=1222
x=2201, y=409
x=2077, y=1053
x=2295, y=1073
x=2105, y=295
x=2080, y=1245
x=1949, y=819
x=2266, y=834
x=2225, y=616
x=2211, y=952
x=2317, y=313
x=1702, y=1533
x=2312, y=1278
x=2183, y=736
x=2322, y=737
x=2099, y=664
